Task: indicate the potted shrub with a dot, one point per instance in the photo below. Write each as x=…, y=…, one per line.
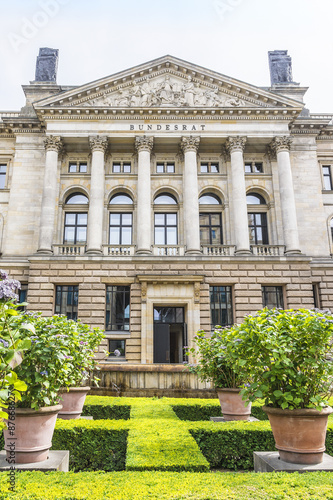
x=287, y=356
x=74, y=360
x=13, y=342
x=81, y=342
x=213, y=366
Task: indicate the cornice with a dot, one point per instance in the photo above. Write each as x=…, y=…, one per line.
x=166, y=114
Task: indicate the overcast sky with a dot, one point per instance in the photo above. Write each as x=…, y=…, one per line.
x=97, y=38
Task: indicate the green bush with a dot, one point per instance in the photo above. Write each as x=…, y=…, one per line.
x=196, y=412
x=157, y=440
x=101, y=408
x=99, y=445
x=167, y=486
x=231, y=445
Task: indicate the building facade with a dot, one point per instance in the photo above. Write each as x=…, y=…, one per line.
x=165, y=199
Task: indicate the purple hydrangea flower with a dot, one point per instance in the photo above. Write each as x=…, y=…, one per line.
x=116, y=352
x=4, y=342
x=8, y=289
x=44, y=372
x=3, y=274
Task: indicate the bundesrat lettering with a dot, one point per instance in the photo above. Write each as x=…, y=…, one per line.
x=168, y=127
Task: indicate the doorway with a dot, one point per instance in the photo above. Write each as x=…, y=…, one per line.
x=170, y=335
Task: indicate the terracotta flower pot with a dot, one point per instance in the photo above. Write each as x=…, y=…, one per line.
x=72, y=402
x=29, y=434
x=232, y=405
x=299, y=434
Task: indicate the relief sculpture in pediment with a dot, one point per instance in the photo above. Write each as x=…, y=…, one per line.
x=167, y=92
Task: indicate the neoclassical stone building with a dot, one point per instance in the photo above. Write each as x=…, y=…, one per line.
x=165, y=199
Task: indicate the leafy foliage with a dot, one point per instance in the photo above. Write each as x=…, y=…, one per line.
x=287, y=355
x=61, y=354
x=213, y=365
x=13, y=342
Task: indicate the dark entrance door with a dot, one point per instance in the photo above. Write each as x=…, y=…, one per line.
x=170, y=334
x=161, y=343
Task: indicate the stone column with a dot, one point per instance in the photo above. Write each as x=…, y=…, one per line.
x=190, y=146
x=53, y=146
x=281, y=146
x=98, y=147
x=235, y=147
x=144, y=145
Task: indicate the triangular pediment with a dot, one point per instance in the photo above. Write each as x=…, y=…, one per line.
x=167, y=82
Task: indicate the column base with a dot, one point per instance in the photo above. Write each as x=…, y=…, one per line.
x=47, y=251
x=243, y=251
x=193, y=252
x=143, y=251
x=293, y=252
x=94, y=251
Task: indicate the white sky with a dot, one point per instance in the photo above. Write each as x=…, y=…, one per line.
x=97, y=38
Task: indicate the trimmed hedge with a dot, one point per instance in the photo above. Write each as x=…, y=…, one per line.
x=167, y=486
x=230, y=445
x=92, y=445
x=159, y=441
x=102, y=408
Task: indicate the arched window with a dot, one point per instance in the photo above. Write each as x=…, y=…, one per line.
x=255, y=199
x=166, y=223
x=121, y=199
x=77, y=199
x=165, y=199
x=75, y=226
x=210, y=220
x=121, y=222
x=209, y=199
x=257, y=219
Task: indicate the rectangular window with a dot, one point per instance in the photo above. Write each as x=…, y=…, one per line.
x=121, y=167
x=209, y=167
x=327, y=177
x=253, y=167
x=166, y=229
x=117, y=308
x=210, y=229
x=316, y=295
x=258, y=228
x=165, y=168
x=272, y=296
x=120, y=229
x=67, y=301
x=75, y=230
x=23, y=295
x=78, y=166
x=3, y=172
x=117, y=349
x=221, y=306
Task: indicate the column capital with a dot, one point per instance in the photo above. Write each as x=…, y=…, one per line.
x=278, y=144
x=98, y=143
x=236, y=143
x=144, y=143
x=53, y=143
x=190, y=143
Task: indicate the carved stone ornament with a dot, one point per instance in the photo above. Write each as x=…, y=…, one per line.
x=167, y=91
x=279, y=144
x=144, y=143
x=98, y=143
x=190, y=143
x=53, y=143
x=197, y=291
x=144, y=291
x=235, y=144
